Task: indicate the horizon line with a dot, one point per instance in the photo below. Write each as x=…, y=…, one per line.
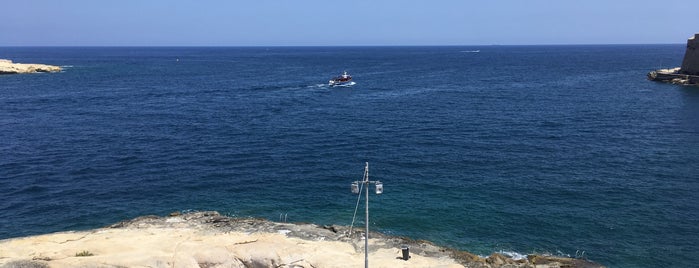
x=299, y=46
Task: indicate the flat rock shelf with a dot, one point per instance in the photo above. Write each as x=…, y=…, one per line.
x=208, y=239
x=9, y=67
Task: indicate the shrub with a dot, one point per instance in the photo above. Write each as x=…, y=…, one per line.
x=84, y=253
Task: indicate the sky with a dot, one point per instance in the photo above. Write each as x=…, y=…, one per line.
x=344, y=23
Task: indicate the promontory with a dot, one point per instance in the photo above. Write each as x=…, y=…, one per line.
x=208, y=239
x=9, y=67
x=688, y=73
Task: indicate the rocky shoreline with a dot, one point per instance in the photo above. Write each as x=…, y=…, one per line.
x=688, y=73
x=208, y=239
x=8, y=67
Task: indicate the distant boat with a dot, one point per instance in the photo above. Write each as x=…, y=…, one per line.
x=344, y=79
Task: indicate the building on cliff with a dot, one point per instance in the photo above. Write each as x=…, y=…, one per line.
x=688, y=73
x=690, y=63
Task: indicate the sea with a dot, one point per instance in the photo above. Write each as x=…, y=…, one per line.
x=563, y=150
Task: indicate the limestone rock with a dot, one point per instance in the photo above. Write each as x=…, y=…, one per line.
x=8, y=67
x=208, y=239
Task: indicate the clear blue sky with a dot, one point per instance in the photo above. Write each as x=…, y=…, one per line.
x=358, y=22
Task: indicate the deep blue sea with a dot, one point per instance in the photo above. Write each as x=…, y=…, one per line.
x=521, y=149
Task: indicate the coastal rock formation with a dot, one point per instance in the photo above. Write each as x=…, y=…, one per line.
x=688, y=73
x=8, y=67
x=207, y=239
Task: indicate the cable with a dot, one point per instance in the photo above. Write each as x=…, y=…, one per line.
x=359, y=198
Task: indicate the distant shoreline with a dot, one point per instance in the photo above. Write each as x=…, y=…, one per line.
x=332, y=46
x=9, y=67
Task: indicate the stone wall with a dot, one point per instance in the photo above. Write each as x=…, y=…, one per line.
x=690, y=63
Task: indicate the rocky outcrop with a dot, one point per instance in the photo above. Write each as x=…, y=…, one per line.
x=8, y=67
x=688, y=74
x=208, y=239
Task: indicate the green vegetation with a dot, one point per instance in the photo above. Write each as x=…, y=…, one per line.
x=84, y=253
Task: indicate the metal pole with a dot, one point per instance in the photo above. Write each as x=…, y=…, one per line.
x=366, y=236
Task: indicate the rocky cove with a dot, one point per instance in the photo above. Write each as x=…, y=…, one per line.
x=208, y=239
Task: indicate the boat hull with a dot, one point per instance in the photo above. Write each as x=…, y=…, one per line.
x=340, y=83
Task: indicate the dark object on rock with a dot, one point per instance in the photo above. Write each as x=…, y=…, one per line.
x=688, y=74
x=406, y=252
x=330, y=228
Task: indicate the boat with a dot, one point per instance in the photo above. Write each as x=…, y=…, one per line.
x=344, y=79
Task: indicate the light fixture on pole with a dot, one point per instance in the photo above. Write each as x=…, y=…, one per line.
x=356, y=189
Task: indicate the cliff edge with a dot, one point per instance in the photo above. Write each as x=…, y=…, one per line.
x=207, y=239
x=8, y=67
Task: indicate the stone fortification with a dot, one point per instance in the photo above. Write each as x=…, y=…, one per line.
x=688, y=74
x=690, y=63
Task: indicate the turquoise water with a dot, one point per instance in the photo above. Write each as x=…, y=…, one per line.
x=526, y=149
